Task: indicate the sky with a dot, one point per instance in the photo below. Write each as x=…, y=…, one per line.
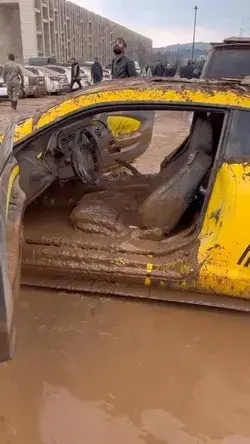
x=168, y=22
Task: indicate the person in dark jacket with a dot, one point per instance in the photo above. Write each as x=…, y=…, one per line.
x=122, y=66
x=187, y=70
x=96, y=71
x=75, y=74
x=159, y=69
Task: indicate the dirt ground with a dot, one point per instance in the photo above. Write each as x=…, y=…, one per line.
x=25, y=106
x=97, y=370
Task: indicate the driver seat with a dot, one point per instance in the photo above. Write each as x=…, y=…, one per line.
x=170, y=198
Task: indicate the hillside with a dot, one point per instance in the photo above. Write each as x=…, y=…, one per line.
x=181, y=51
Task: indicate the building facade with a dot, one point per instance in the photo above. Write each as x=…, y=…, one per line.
x=61, y=29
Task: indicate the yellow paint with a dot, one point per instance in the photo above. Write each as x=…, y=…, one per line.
x=39, y=155
x=22, y=130
x=222, y=98
x=14, y=173
x=120, y=125
x=149, y=268
x=133, y=95
x=225, y=234
x=147, y=282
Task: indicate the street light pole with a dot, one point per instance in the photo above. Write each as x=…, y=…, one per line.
x=194, y=31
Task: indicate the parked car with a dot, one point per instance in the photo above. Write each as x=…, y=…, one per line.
x=66, y=71
x=106, y=74
x=137, y=67
x=51, y=80
x=34, y=85
x=184, y=228
x=3, y=86
x=86, y=73
x=55, y=82
x=228, y=59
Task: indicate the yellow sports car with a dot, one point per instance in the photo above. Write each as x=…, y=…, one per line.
x=178, y=235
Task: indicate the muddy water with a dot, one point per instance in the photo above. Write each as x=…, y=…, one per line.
x=108, y=371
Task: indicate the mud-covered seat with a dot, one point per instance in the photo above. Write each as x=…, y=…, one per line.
x=179, y=181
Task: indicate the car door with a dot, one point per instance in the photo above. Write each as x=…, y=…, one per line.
x=11, y=211
x=224, y=239
x=132, y=132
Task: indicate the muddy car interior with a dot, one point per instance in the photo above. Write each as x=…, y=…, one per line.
x=80, y=220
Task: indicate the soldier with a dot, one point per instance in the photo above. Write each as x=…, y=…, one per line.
x=13, y=76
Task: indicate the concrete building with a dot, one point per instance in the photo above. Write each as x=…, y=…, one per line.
x=62, y=29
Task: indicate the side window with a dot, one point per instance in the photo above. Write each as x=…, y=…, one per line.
x=238, y=142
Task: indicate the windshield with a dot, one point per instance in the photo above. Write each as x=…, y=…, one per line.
x=33, y=70
x=57, y=69
x=228, y=62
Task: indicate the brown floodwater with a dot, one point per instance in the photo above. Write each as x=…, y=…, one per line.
x=107, y=371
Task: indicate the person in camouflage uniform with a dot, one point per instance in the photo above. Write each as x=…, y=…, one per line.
x=13, y=76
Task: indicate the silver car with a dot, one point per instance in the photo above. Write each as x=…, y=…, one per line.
x=55, y=83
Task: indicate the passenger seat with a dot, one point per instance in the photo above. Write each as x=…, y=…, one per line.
x=166, y=204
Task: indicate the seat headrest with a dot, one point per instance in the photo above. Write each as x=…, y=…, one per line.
x=201, y=137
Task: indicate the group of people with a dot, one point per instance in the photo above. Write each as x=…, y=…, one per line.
x=121, y=67
x=190, y=70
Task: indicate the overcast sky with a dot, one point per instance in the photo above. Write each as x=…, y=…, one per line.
x=171, y=21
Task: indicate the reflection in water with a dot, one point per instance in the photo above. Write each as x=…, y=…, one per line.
x=107, y=371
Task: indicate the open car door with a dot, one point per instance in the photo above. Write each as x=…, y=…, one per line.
x=132, y=132
x=11, y=210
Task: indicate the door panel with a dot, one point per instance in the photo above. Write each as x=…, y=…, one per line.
x=11, y=209
x=224, y=253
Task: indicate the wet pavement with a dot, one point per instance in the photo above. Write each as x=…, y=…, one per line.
x=103, y=371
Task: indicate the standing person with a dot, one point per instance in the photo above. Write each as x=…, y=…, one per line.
x=75, y=74
x=13, y=77
x=122, y=66
x=187, y=71
x=96, y=71
x=159, y=69
x=146, y=72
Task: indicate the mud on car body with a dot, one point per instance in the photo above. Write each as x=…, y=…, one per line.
x=188, y=224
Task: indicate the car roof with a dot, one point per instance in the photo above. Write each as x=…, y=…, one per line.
x=28, y=73
x=232, y=42
x=43, y=68
x=220, y=94
x=65, y=67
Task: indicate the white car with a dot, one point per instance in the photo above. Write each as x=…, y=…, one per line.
x=138, y=69
x=66, y=70
x=34, y=85
x=86, y=69
x=86, y=73
x=3, y=88
x=51, y=80
x=107, y=74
